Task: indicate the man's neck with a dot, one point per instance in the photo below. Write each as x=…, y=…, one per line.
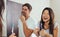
x=27, y=17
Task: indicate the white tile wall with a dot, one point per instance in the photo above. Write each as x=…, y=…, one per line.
x=55, y=5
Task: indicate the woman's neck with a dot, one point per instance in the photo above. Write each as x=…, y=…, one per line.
x=46, y=25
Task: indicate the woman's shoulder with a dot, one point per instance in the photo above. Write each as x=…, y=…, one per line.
x=56, y=24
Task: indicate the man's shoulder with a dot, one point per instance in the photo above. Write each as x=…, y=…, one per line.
x=32, y=19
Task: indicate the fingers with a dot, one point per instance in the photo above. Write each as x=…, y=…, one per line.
x=36, y=31
x=12, y=35
x=22, y=18
x=42, y=32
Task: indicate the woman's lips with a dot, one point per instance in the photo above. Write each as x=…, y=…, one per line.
x=45, y=18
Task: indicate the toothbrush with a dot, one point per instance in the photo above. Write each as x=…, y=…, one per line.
x=12, y=28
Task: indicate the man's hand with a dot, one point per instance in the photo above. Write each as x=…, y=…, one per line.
x=22, y=18
x=12, y=35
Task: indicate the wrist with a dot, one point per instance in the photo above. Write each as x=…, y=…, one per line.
x=23, y=21
x=48, y=35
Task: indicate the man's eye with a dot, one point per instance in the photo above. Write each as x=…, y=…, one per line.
x=25, y=9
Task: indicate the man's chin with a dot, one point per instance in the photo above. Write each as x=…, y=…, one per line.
x=24, y=15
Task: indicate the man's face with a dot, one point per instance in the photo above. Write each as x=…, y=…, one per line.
x=25, y=11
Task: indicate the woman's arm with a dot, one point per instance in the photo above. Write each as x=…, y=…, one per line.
x=48, y=35
x=43, y=33
x=55, y=32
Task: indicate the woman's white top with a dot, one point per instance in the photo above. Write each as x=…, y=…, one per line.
x=56, y=25
x=47, y=31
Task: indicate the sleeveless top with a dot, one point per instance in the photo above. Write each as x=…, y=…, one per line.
x=47, y=30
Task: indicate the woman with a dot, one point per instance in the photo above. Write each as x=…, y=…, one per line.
x=1, y=10
x=47, y=26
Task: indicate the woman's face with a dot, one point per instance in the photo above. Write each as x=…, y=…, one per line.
x=45, y=16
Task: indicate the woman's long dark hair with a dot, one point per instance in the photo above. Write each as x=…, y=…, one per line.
x=51, y=21
x=1, y=9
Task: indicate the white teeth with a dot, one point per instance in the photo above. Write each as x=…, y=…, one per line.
x=45, y=18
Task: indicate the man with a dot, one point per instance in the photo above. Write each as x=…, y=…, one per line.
x=26, y=23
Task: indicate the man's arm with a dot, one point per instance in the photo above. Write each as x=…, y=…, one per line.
x=27, y=31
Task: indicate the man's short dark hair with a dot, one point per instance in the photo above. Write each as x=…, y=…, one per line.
x=28, y=5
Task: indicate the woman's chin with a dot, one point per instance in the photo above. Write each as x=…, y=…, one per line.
x=45, y=20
